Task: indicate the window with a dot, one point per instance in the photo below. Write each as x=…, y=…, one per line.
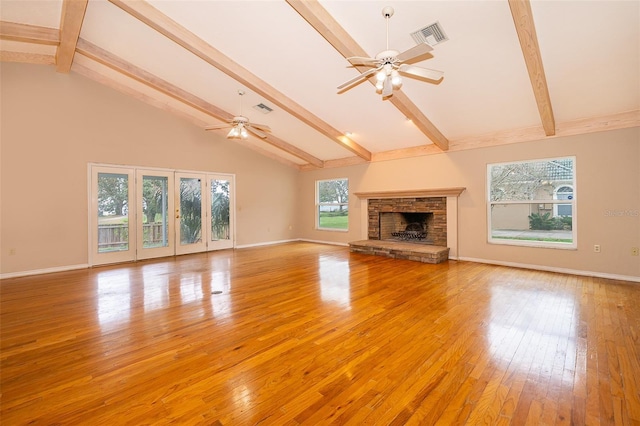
x=532, y=203
x=332, y=204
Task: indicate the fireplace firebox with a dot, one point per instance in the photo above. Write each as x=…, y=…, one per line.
x=409, y=227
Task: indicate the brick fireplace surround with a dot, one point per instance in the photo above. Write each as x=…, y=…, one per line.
x=441, y=227
x=436, y=227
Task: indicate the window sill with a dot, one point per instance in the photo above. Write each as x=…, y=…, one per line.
x=534, y=244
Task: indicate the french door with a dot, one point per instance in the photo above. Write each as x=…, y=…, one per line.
x=145, y=213
x=155, y=224
x=221, y=206
x=190, y=215
x=111, y=230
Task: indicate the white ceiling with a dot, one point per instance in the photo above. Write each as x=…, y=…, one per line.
x=590, y=51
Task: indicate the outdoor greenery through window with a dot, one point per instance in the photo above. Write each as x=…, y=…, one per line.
x=220, y=218
x=113, y=212
x=532, y=203
x=332, y=202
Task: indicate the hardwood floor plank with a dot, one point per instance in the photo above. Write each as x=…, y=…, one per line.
x=306, y=333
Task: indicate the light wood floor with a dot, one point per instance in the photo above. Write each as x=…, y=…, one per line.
x=311, y=334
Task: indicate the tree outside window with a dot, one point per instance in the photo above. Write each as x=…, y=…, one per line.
x=332, y=202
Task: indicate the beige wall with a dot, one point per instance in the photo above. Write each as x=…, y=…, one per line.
x=54, y=124
x=608, y=182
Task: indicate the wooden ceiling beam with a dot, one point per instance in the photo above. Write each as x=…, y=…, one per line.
x=24, y=33
x=29, y=33
x=318, y=17
x=582, y=126
x=112, y=61
x=70, y=25
x=146, y=13
x=523, y=20
x=27, y=58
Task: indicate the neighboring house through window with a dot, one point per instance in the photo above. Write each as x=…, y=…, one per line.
x=563, y=193
x=332, y=204
x=532, y=203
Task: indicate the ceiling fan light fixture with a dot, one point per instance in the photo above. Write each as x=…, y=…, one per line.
x=234, y=133
x=241, y=126
x=390, y=63
x=396, y=80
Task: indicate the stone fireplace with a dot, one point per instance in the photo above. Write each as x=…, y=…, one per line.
x=420, y=225
x=406, y=219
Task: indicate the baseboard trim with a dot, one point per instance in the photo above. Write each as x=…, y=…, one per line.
x=43, y=271
x=331, y=243
x=270, y=243
x=554, y=269
x=267, y=243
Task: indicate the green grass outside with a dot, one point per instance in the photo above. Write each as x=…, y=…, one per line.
x=334, y=222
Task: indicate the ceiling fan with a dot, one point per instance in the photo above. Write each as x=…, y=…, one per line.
x=240, y=126
x=389, y=64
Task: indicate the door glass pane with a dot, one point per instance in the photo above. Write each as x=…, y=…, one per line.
x=190, y=211
x=220, y=210
x=113, y=212
x=155, y=211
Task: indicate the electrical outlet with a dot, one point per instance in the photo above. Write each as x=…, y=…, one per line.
x=634, y=251
x=596, y=248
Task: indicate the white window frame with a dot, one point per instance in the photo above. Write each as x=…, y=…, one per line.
x=320, y=204
x=530, y=243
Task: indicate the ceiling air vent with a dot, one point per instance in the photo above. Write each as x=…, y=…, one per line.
x=432, y=34
x=263, y=108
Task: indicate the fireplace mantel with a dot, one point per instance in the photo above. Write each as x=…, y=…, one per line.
x=411, y=193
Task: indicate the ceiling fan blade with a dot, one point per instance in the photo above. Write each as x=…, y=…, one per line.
x=362, y=60
x=387, y=87
x=421, y=72
x=262, y=127
x=414, y=52
x=255, y=131
x=358, y=78
x=218, y=126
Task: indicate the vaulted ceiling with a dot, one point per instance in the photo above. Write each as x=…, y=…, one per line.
x=514, y=70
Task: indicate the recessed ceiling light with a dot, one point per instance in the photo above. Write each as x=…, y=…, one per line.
x=348, y=134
